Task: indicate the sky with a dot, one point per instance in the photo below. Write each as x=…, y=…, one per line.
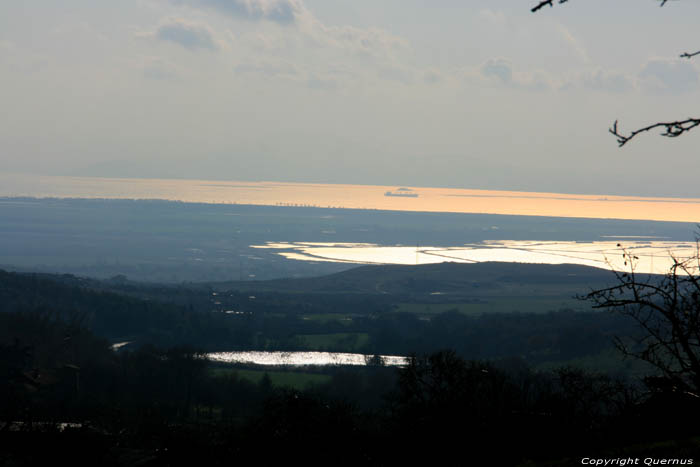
x=443, y=93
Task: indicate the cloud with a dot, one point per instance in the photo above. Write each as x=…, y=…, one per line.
x=268, y=68
x=500, y=72
x=189, y=35
x=363, y=41
x=369, y=42
x=499, y=68
x=319, y=82
x=304, y=40
x=158, y=68
x=574, y=43
x=432, y=76
x=658, y=75
x=492, y=18
x=607, y=81
x=267, y=42
x=669, y=76
x=278, y=11
x=396, y=72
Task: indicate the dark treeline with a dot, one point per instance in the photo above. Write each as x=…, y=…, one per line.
x=182, y=316
x=537, y=338
x=166, y=407
x=160, y=403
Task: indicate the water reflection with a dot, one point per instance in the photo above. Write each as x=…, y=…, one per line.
x=357, y=197
x=306, y=358
x=653, y=256
x=117, y=346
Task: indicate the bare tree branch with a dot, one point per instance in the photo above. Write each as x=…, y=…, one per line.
x=672, y=129
x=689, y=55
x=545, y=3
x=667, y=310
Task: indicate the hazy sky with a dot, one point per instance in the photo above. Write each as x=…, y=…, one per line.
x=456, y=93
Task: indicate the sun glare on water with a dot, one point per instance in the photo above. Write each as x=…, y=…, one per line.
x=358, y=197
x=651, y=256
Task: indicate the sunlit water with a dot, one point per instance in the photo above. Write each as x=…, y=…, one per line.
x=304, y=358
x=296, y=358
x=357, y=197
x=654, y=255
x=119, y=345
x=647, y=256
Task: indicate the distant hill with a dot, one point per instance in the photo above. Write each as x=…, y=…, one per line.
x=89, y=302
x=487, y=310
x=444, y=278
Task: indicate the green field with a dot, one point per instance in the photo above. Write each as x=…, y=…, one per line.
x=342, y=341
x=290, y=379
x=325, y=318
x=609, y=361
x=496, y=305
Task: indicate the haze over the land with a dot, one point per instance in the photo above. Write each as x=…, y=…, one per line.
x=477, y=94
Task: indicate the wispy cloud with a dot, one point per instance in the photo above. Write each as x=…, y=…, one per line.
x=501, y=71
x=499, y=68
x=158, y=68
x=669, y=76
x=188, y=34
x=574, y=43
x=278, y=11
x=372, y=42
x=268, y=68
x=607, y=81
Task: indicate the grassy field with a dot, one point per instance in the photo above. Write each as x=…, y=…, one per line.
x=342, y=341
x=497, y=304
x=290, y=379
x=609, y=361
x=324, y=318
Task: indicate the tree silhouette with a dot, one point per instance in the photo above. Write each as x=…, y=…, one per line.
x=551, y=3
x=544, y=3
x=667, y=310
x=668, y=313
x=670, y=129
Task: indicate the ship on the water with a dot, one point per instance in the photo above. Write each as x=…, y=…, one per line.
x=402, y=193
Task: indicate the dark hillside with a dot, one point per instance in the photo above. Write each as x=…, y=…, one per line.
x=489, y=310
x=456, y=279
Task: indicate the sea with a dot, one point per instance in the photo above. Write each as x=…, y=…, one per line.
x=646, y=254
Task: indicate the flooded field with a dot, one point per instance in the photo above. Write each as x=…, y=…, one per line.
x=306, y=358
x=652, y=256
x=265, y=230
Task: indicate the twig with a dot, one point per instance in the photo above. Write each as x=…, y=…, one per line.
x=551, y=3
x=672, y=129
x=690, y=55
x=545, y=3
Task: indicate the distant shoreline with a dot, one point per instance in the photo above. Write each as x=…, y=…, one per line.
x=364, y=197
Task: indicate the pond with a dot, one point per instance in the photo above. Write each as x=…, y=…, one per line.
x=306, y=358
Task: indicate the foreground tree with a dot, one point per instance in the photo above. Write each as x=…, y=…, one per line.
x=669, y=129
x=668, y=313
